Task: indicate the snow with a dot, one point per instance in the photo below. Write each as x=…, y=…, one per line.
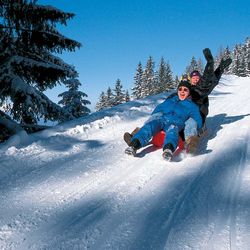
x=72, y=186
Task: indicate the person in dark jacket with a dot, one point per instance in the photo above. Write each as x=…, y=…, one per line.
x=202, y=86
x=169, y=116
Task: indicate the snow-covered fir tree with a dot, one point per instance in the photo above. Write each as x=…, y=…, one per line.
x=242, y=67
x=176, y=81
x=106, y=100
x=102, y=102
x=127, y=96
x=119, y=93
x=237, y=67
x=226, y=55
x=200, y=66
x=218, y=57
x=161, y=77
x=112, y=98
x=148, y=78
x=247, y=56
x=29, y=41
x=138, y=82
x=169, y=77
x=194, y=65
x=164, y=77
x=109, y=98
x=73, y=100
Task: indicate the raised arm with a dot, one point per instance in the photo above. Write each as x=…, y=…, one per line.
x=209, y=79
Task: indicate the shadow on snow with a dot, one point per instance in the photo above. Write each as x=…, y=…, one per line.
x=214, y=125
x=210, y=193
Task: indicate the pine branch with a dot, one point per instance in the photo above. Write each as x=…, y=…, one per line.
x=54, y=35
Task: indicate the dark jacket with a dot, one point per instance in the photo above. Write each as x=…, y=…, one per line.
x=202, y=101
x=200, y=92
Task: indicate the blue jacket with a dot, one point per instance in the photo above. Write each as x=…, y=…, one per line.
x=177, y=112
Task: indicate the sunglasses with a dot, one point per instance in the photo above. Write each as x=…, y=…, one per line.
x=183, y=89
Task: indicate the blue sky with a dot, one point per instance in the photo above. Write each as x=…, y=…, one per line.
x=116, y=35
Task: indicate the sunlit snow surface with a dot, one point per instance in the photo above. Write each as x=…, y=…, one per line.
x=72, y=187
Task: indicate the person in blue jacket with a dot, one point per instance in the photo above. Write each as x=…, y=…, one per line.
x=201, y=87
x=169, y=116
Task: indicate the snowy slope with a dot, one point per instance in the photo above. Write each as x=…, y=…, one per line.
x=72, y=187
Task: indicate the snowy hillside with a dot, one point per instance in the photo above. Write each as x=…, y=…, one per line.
x=72, y=187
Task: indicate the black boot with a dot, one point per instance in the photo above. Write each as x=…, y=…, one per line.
x=208, y=55
x=168, y=152
x=134, y=146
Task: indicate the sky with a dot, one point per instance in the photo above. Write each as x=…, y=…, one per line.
x=75, y=188
x=117, y=35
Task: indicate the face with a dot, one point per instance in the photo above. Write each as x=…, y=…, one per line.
x=195, y=80
x=183, y=93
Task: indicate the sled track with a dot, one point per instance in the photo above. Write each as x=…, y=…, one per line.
x=234, y=195
x=200, y=192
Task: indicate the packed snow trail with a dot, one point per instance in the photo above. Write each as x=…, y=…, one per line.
x=72, y=187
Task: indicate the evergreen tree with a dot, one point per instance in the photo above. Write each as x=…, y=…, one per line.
x=119, y=95
x=109, y=98
x=242, y=62
x=247, y=56
x=242, y=65
x=169, y=78
x=106, y=100
x=138, y=82
x=192, y=66
x=176, y=82
x=200, y=67
x=127, y=96
x=28, y=65
x=101, y=104
x=73, y=100
x=148, y=78
x=164, y=77
x=161, y=77
x=218, y=57
x=237, y=66
x=226, y=55
x=240, y=55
